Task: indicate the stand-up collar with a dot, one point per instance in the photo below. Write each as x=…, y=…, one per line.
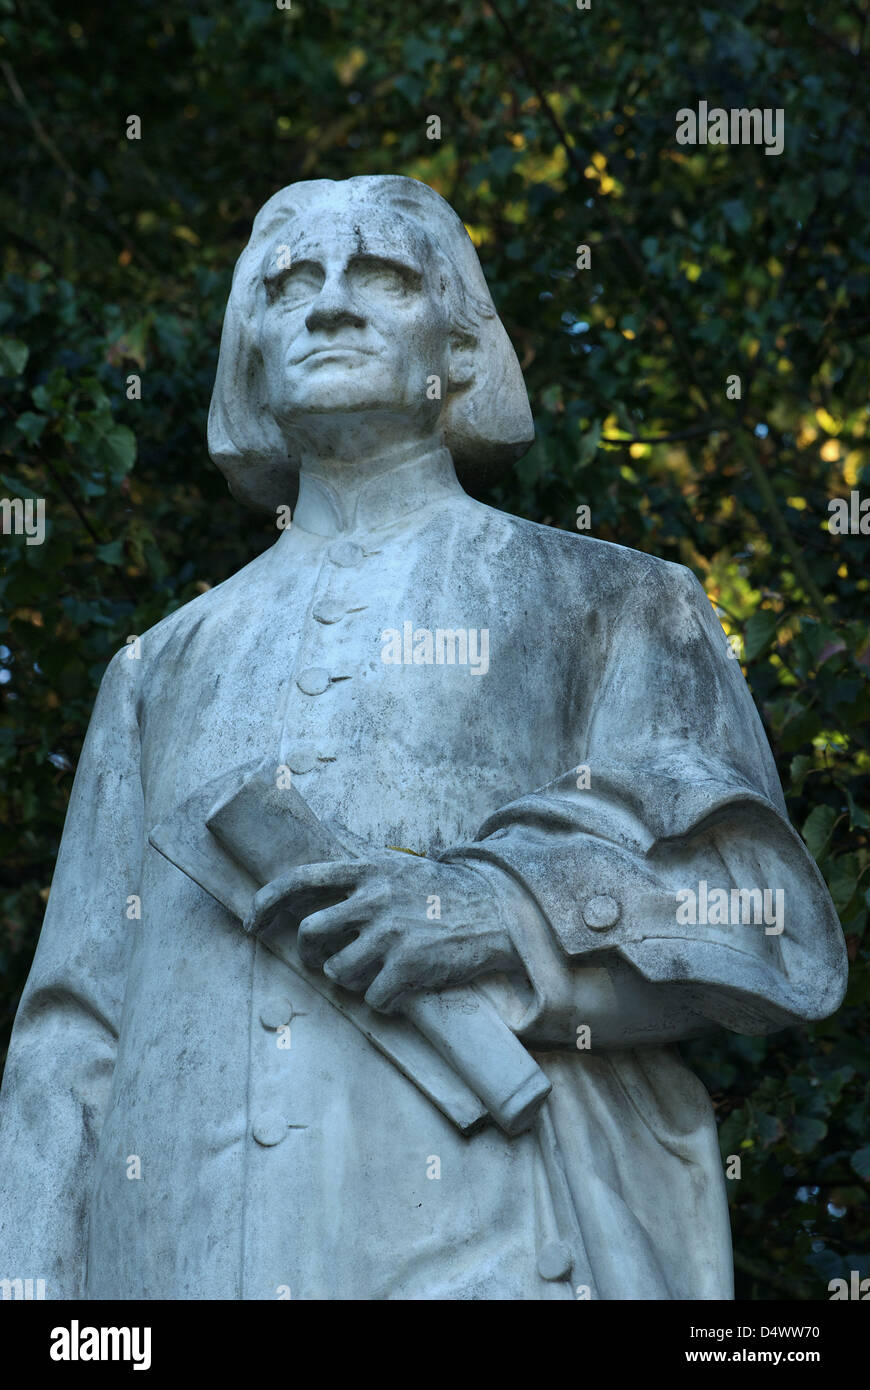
x=330, y=509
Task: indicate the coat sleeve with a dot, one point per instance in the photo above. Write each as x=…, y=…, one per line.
x=61, y=1057
x=675, y=795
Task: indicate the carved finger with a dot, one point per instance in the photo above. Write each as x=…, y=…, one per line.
x=390, y=984
x=355, y=966
x=324, y=933
x=298, y=886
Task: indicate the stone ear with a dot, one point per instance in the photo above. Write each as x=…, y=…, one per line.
x=460, y=359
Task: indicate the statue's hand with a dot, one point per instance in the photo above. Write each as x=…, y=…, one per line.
x=403, y=923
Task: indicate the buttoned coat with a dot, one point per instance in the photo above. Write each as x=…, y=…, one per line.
x=165, y=1135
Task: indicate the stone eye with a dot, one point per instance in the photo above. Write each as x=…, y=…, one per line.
x=294, y=284
x=387, y=278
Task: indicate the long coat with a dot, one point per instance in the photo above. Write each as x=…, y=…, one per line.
x=158, y=1137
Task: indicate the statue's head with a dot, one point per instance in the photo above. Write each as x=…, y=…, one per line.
x=360, y=303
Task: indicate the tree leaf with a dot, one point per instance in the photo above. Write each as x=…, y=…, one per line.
x=13, y=356
x=860, y=1161
x=817, y=830
x=760, y=631
x=806, y=1133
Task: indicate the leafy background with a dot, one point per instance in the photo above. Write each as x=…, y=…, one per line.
x=557, y=130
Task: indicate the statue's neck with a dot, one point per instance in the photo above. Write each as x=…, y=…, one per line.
x=341, y=495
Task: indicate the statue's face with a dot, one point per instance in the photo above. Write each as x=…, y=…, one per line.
x=355, y=320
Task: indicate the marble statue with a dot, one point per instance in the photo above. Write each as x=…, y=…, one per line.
x=398, y=865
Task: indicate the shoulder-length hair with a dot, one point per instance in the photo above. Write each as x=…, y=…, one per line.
x=487, y=421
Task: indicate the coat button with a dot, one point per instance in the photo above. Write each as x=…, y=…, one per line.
x=555, y=1260
x=313, y=681
x=345, y=553
x=301, y=759
x=326, y=612
x=600, y=913
x=276, y=1013
x=270, y=1130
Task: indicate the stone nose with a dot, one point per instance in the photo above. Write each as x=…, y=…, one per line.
x=334, y=307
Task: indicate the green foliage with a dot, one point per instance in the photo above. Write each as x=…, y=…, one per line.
x=557, y=131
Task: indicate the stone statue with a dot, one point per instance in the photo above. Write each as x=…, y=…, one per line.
x=264, y=1050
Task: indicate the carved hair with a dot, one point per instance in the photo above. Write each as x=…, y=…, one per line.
x=487, y=421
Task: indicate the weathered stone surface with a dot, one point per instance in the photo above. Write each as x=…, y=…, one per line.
x=554, y=722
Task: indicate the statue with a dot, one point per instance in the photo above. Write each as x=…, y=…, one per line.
x=397, y=865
